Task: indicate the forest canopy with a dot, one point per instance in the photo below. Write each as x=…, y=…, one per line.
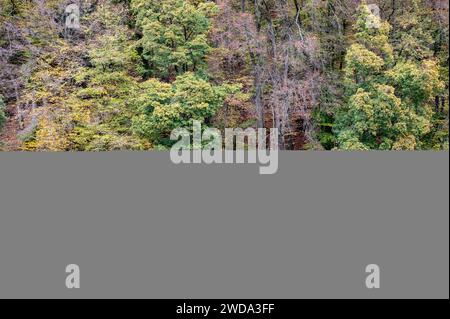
x=327, y=74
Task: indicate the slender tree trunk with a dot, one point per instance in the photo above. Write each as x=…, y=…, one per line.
x=258, y=98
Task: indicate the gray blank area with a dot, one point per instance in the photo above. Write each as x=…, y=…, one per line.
x=141, y=227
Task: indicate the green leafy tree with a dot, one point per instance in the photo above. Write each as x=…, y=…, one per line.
x=388, y=104
x=173, y=34
x=371, y=55
x=102, y=110
x=163, y=107
x=416, y=83
x=413, y=38
x=377, y=119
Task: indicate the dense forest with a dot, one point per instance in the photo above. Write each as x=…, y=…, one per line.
x=328, y=75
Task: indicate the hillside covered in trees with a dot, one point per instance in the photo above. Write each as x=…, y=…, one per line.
x=327, y=74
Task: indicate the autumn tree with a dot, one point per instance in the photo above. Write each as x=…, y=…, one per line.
x=388, y=104
x=283, y=58
x=135, y=69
